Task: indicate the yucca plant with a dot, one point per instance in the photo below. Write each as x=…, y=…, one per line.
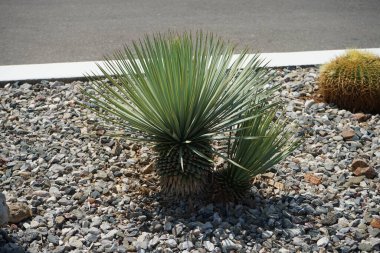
x=181, y=93
x=254, y=155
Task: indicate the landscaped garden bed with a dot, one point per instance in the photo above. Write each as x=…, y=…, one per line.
x=92, y=193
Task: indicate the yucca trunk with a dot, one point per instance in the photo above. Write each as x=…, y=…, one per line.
x=189, y=177
x=229, y=187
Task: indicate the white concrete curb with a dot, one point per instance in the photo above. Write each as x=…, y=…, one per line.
x=72, y=70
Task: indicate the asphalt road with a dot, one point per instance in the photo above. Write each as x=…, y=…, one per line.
x=42, y=31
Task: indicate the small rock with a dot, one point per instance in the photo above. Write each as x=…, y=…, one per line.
x=337, y=138
x=228, y=245
x=348, y=134
x=143, y=240
x=373, y=231
x=369, y=172
x=158, y=227
x=148, y=169
x=369, y=244
x=343, y=222
x=41, y=193
x=354, y=181
x=34, y=224
x=330, y=219
x=91, y=200
x=298, y=241
x=292, y=232
x=91, y=237
x=323, y=241
x=75, y=242
x=177, y=230
x=25, y=86
x=358, y=163
x=117, y=149
x=94, y=230
x=186, y=245
x=59, y=220
x=309, y=103
x=267, y=234
x=171, y=243
x=313, y=179
x=53, y=239
x=153, y=242
x=209, y=246
x=56, y=168
x=101, y=174
x=375, y=222
x=110, y=234
x=19, y=212
x=168, y=226
x=361, y=117
x=78, y=195
x=268, y=175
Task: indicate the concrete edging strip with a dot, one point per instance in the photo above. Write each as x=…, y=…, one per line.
x=76, y=70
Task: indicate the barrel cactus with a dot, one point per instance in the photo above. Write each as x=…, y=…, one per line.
x=352, y=81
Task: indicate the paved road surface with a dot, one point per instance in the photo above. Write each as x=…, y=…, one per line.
x=42, y=31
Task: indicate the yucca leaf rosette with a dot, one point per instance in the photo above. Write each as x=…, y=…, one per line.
x=181, y=92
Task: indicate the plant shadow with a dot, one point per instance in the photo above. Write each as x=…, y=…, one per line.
x=8, y=244
x=258, y=217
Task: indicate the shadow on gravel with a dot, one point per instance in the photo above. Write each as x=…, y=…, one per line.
x=258, y=217
x=8, y=244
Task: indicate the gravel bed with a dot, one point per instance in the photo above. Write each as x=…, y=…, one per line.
x=92, y=193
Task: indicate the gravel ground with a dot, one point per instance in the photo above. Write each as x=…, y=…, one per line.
x=91, y=193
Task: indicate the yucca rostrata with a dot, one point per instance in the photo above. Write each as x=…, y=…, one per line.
x=181, y=93
x=253, y=155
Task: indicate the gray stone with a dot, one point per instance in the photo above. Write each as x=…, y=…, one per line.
x=4, y=211
x=75, y=242
x=298, y=241
x=309, y=103
x=323, y=241
x=228, y=245
x=25, y=86
x=110, y=235
x=91, y=237
x=337, y=138
x=56, y=168
x=343, y=222
x=293, y=232
x=101, y=174
x=186, y=245
x=209, y=246
x=168, y=226
x=143, y=241
x=267, y=234
x=153, y=242
x=369, y=244
x=53, y=239
x=178, y=229
x=171, y=243
x=329, y=219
